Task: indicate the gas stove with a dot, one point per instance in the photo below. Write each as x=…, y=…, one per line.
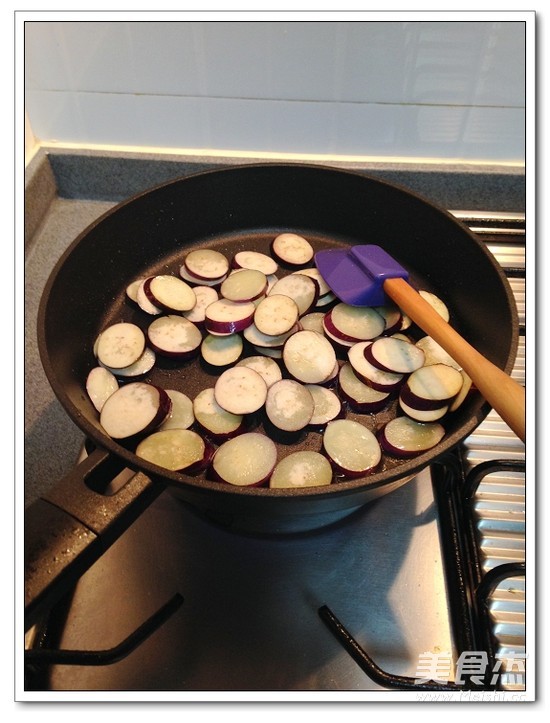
x=420, y=592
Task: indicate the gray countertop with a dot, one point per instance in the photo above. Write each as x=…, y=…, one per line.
x=52, y=440
x=65, y=191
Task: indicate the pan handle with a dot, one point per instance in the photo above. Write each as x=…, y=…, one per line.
x=75, y=522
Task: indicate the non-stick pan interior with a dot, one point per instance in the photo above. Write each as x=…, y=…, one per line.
x=245, y=208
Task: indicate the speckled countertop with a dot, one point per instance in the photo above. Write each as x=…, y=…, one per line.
x=66, y=190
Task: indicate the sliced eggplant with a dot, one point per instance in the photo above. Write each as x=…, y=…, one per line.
x=174, y=336
x=355, y=323
x=352, y=449
x=315, y=274
x=394, y=355
x=433, y=383
x=198, y=280
x=206, y=264
x=266, y=367
x=435, y=354
x=340, y=342
x=135, y=408
x=309, y=357
x=305, y=468
x=268, y=341
x=181, y=414
x=255, y=260
x=276, y=314
x=144, y=302
x=217, y=423
x=240, y=390
x=132, y=289
x=325, y=300
x=169, y=293
x=178, y=450
x=205, y=296
x=405, y=437
x=292, y=249
x=226, y=317
x=273, y=353
x=139, y=368
x=303, y=289
x=326, y=405
x=423, y=415
x=436, y=303
x=466, y=389
x=221, y=351
x=313, y=321
x=392, y=316
x=244, y=285
x=245, y=461
x=368, y=373
x=360, y=396
x=100, y=385
x=289, y=405
x=120, y=345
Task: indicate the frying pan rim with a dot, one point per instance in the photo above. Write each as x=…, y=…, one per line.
x=407, y=468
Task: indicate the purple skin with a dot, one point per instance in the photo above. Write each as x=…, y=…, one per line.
x=153, y=299
x=220, y=438
x=394, y=328
x=395, y=451
x=285, y=262
x=364, y=407
x=421, y=403
x=340, y=471
x=184, y=355
x=194, y=275
x=389, y=448
x=315, y=299
x=389, y=388
x=369, y=356
x=319, y=427
x=228, y=327
x=202, y=464
x=163, y=410
x=336, y=332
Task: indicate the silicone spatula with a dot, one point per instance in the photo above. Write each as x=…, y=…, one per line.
x=367, y=275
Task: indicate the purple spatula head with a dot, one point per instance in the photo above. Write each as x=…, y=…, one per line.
x=356, y=275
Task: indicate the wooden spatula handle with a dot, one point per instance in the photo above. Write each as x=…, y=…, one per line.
x=505, y=395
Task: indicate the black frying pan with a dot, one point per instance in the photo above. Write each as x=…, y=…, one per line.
x=229, y=210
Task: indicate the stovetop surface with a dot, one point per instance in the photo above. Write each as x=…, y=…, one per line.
x=249, y=619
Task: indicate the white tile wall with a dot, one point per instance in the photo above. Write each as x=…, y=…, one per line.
x=394, y=89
